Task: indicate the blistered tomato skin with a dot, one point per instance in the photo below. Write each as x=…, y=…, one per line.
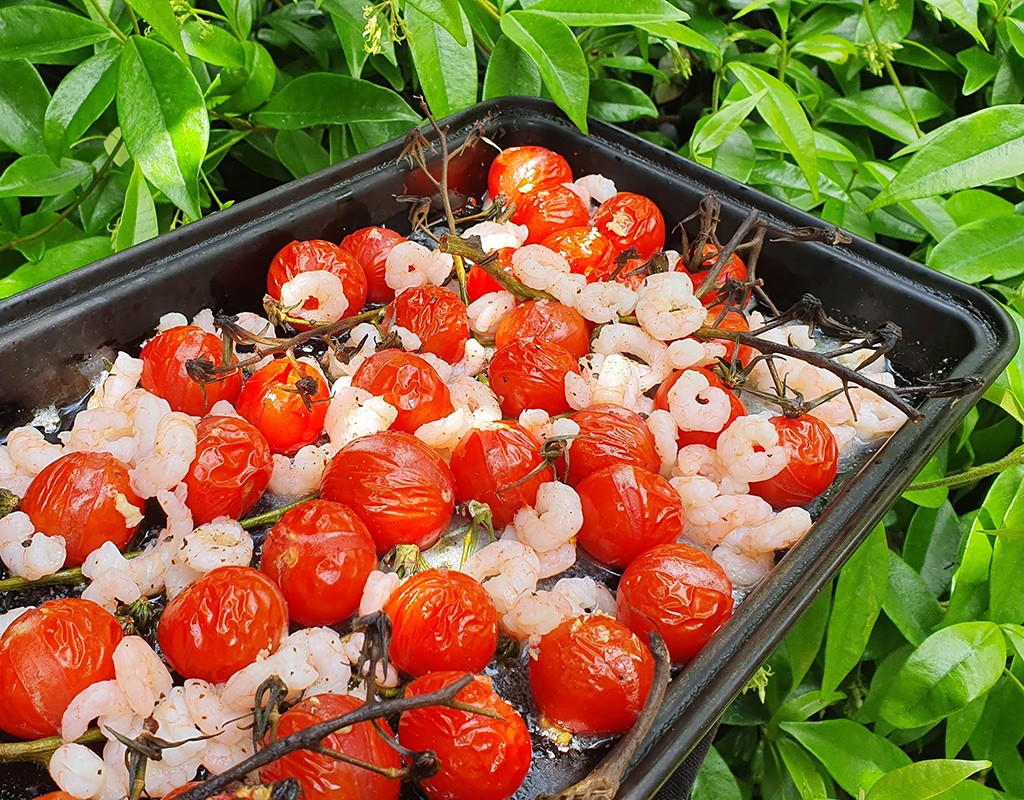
x=316, y=255
x=164, y=373
x=546, y=321
x=441, y=620
x=481, y=758
x=436, y=315
x=626, y=510
x=370, y=247
x=588, y=251
x=479, y=283
x=271, y=400
x=407, y=382
x=401, y=489
x=549, y=210
x=47, y=656
x=326, y=778
x=516, y=171
x=610, y=434
x=222, y=622
x=678, y=591
x=632, y=220
x=591, y=675
x=706, y=438
x=87, y=500
x=812, y=465
x=319, y=554
x=230, y=472
x=527, y=373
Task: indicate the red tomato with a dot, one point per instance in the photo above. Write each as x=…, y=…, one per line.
x=629, y=275
x=588, y=251
x=314, y=255
x=326, y=778
x=488, y=466
x=610, y=434
x=239, y=793
x=436, y=315
x=734, y=268
x=370, y=247
x=516, y=171
x=408, y=383
x=812, y=465
x=482, y=758
x=706, y=438
x=47, y=656
x=529, y=374
x=631, y=220
x=479, y=283
x=222, y=622
x=56, y=796
x=678, y=591
x=592, y=675
x=401, y=489
x=626, y=510
x=163, y=370
x=271, y=401
x=87, y=500
x=231, y=470
x=733, y=321
x=550, y=209
x=442, y=620
x=546, y=321
x=320, y=554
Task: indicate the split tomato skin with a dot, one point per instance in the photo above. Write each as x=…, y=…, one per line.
x=47, y=656
x=441, y=620
x=481, y=758
x=631, y=220
x=678, y=591
x=324, y=778
x=626, y=510
x=222, y=622
x=436, y=315
x=550, y=209
x=546, y=321
x=401, y=489
x=271, y=401
x=588, y=251
x=319, y=554
x=813, y=462
x=706, y=438
x=610, y=434
x=407, y=382
x=318, y=255
x=164, y=372
x=231, y=470
x=371, y=247
x=591, y=675
x=527, y=373
x=86, y=499
x=516, y=171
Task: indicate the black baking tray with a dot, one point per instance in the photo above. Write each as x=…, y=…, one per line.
x=950, y=329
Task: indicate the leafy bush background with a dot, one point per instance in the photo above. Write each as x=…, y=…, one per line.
x=898, y=120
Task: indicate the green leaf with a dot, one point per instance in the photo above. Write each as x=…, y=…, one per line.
x=510, y=71
x=723, y=122
x=446, y=69
x=163, y=120
x=859, y=594
x=960, y=725
x=882, y=109
x=981, y=68
x=981, y=148
x=827, y=47
x=1015, y=33
x=23, y=100
x=923, y=780
x=212, y=44
x=249, y=87
x=446, y=13
x=988, y=248
x=972, y=205
x=81, y=97
x=617, y=101
x=933, y=545
x=782, y=111
x=301, y=153
x=801, y=769
x=804, y=639
x=715, y=780
x=160, y=16
x=57, y=261
x=632, y=64
x=320, y=98
x=550, y=43
x=240, y=14
x=598, y=13
x=36, y=32
x=687, y=37
x=37, y=176
x=909, y=602
x=138, y=219
x=964, y=13
x=946, y=672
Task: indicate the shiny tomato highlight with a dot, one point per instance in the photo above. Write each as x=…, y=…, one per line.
x=546, y=321
x=164, y=374
x=609, y=434
x=813, y=462
x=272, y=401
x=436, y=315
x=370, y=247
x=588, y=251
x=632, y=220
x=516, y=171
x=318, y=255
x=548, y=210
x=407, y=382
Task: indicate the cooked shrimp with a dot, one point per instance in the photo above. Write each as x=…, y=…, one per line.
x=696, y=405
x=593, y=188
x=410, y=264
x=586, y=596
x=9, y=617
x=12, y=478
x=487, y=312
x=663, y=429
x=174, y=449
x=686, y=353
x=612, y=379
x=378, y=588
x=496, y=235
x=220, y=543
x=361, y=344
x=535, y=614
x=77, y=770
x=507, y=570
x=112, y=580
x=749, y=449
x=124, y=376
x=177, y=764
x=780, y=532
x=605, y=301
x=301, y=474
x=105, y=701
x=618, y=339
x=742, y=570
x=171, y=320
x=101, y=430
x=545, y=270
x=255, y=324
x=354, y=412
x=27, y=553
x=557, y=560
x=554, y=520
x=324, y=288
x=29, y=450
x=205, y=320
x=666, y=307
x=145, y=411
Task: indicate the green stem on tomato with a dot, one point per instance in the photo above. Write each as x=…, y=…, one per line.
x=38, y=751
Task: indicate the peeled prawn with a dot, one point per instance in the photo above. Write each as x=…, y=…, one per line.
x=497, y=235
x=666, y=307
x=749, y=449
x=554, y=520
x=26, y=552
x=300, y=474
x=506, y=569
x=696, y=405
x=605, y=301
x=324, y=288
x=124, y=376
x=29, y=450
x=174, y=448
x=410, y=264
x=487, y=312
x=545, y=270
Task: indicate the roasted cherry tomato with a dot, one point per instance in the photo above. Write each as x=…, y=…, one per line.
x=632, y=220
x=734, y=268
x=706, y=438
x=47, y=656
x=238, y=793
x=588, y=251
x=319, y=554
x=678, y=591
x=231, y=470
x=370, y=247
x=87, y=500
x=813, y=461
x=609, y=434
x=591, y=675
x=222, y=622
x=482, y=758
x=735, y=321
x=317, y=255
x=519, y=170
x=325, y=778
x=287, y=401
x=56, y=796
x=400, y=488
x=164, y=374
x=546, y=321
x=436, y=315
x=479, y=283
x=407, y=382
x=441, y=620
x=626, y=510
x=527, y=373
x=501, y=467
x=550, y=209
